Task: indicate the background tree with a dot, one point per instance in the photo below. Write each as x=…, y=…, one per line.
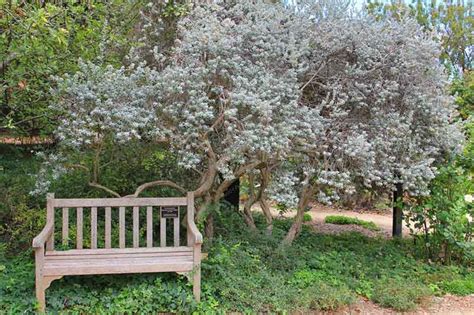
x=452, y=22
x=43, y=39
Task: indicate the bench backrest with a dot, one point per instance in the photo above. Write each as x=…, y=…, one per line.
x=103, y=214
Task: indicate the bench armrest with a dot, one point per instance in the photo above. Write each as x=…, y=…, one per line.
x=41, y=239
x=195, y=232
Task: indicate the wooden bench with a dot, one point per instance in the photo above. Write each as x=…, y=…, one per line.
x=53, y=264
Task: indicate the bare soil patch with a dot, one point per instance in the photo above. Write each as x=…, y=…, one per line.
x=382, y=218
x=446, y=305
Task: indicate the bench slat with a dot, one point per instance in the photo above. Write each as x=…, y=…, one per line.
x=176, y=231
x=104, y=251
x=65, y=226
x=113, y=266
x=123, y=255
x=79, y=227
x=94, y=227
x=122, y=227
x=50, y=219
x=135, y=227
x=111, y=261
x=149, y=226
x=108, y=227
x=162, y=232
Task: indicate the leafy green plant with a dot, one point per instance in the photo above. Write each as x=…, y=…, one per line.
x=342, y=220
x=441, y=220
x=461, y=286
x=41, y=40
x=322, y=296
x=307, y=217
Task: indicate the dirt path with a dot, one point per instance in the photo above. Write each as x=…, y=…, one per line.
x=446, y=305
x=383, y=219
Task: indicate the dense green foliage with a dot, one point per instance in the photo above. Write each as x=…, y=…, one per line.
x=250, y=272
x=39, y=41
x=444, y=217
x=340, y=219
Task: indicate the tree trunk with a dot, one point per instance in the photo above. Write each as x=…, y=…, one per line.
x=265, y=180
x=267, y=213
x=397, y=211
x=209, y=228
x=248, y=217
x=295, y=228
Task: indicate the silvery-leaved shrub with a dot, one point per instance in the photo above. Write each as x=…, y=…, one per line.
x=323, y=104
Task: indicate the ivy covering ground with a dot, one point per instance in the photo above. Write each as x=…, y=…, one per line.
x=250, y=272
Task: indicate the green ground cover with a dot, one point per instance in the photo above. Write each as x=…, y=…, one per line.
x=245, y=271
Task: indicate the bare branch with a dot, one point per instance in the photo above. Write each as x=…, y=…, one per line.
x=110, y=191
x=79, y=166
x=210, y=174
x=145, y=186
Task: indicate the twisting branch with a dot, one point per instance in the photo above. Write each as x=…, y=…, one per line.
x=145, y=186
x=314, y=76
x=79, y=166
x=305, y=196
x=210, y=174
x=110, y=191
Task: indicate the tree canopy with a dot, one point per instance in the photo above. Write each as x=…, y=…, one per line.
x=314, y=106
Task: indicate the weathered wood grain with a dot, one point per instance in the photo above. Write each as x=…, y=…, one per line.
x=65, y=226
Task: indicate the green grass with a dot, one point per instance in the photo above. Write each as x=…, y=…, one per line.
x=307, y=217
x=342, y=220
x=459, y=286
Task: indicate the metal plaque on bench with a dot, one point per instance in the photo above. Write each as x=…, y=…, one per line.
x=169, y=212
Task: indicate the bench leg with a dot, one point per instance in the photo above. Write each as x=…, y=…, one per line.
x=197, y=284
x=197, y=272
x=40, y=295
x=42, y=283
x=39, y=281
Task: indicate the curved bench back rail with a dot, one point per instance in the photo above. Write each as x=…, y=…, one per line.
x=154, y=246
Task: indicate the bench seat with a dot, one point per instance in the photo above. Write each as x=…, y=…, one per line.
x=118, y=261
